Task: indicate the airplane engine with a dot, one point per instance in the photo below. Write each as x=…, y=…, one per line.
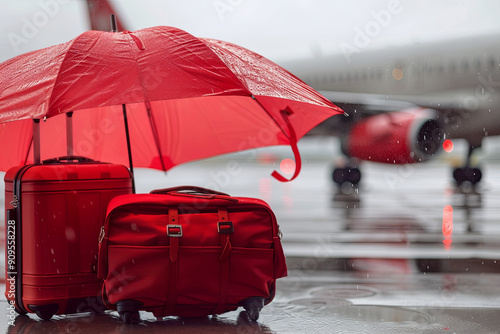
x=401, y=137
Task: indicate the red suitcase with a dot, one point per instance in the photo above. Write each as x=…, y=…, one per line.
x=184, y=253
x=54, y=213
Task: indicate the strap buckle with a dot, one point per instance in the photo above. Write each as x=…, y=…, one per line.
x=225, y=227
x=174, y=231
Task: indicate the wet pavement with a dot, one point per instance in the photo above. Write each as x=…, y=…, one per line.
x=407, y=254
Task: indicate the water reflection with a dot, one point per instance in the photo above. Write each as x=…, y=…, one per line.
x=370, y=313
x=452, y=244
x=110, y=323
x=469, y=203
x=447, y=226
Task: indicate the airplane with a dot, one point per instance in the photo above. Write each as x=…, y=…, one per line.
x=402, y=102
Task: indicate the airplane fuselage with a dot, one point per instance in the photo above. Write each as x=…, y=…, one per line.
x=460, y=78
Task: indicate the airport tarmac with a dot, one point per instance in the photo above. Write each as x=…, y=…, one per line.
x=393, y=258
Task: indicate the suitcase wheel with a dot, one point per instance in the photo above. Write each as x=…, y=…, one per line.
x=129, y=311
x=253, y=306
x=20, y=312
x=45, y=312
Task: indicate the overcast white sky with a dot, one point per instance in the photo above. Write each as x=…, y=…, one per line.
x=280, y=29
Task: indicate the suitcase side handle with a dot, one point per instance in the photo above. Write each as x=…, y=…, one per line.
x=67, y=158
x=188, y=190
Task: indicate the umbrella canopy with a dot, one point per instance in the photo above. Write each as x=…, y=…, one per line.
x=186, y=98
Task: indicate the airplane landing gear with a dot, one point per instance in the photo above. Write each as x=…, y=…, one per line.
x=467, y=174
x=347, y=179
x=346, y=174
x=467, y=177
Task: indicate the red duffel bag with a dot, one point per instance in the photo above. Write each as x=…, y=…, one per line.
x=189, y=251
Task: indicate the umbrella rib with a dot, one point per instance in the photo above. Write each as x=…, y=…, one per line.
x=61, y=64
x=270, y=116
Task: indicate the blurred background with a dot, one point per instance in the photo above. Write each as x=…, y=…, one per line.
x=278, y=30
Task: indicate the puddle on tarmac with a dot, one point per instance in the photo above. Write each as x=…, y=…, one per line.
x=309, y=315
x=344, y=292
x=374, y=313
x=319, y=302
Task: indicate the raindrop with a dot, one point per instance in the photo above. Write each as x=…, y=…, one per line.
x=70, y=234
x=52, y=251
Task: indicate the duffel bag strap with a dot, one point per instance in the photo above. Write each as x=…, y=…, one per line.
x=174, y=232
x=225, y=229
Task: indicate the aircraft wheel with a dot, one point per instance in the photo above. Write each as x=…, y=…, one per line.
x=347, y=174
x=467, y=174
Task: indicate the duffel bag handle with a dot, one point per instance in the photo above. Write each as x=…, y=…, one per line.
x=67, y=158
x=189, y=190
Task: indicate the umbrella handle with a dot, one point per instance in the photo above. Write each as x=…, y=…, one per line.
x=293, y=143
x=189, y=189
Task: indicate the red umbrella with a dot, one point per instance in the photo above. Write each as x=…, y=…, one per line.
x=182, y=98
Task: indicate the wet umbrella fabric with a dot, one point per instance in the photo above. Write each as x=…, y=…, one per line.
x=186, y=98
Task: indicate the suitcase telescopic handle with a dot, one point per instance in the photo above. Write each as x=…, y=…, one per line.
x=67, y=158
x=188, y=190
